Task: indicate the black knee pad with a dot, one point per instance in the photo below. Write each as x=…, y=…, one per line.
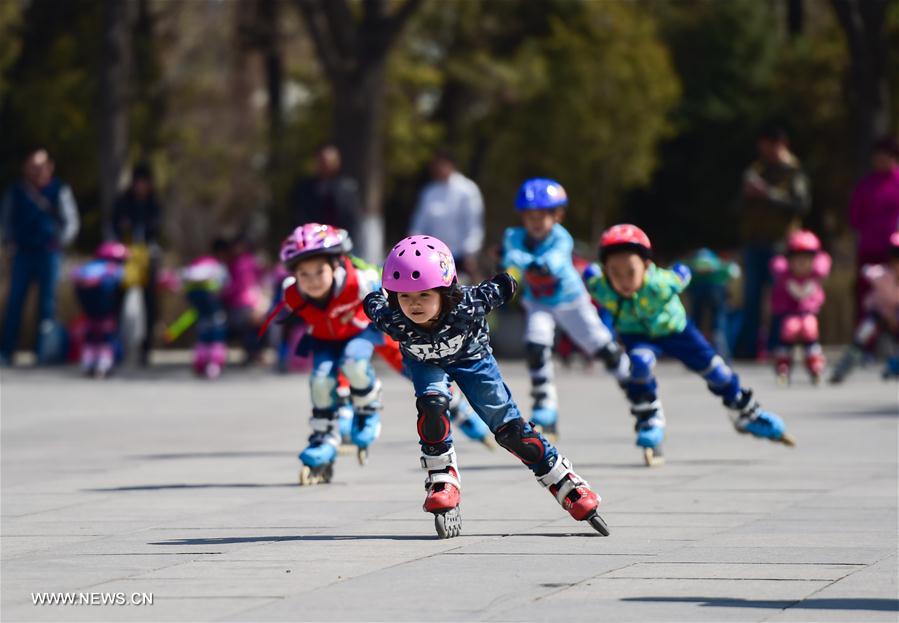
x=536, y=355
x=610, y=355
x=433, y=418
x=519, y=438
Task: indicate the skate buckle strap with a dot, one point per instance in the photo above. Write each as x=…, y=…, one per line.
x=545, y=394
x=646, y=408
x=438, y=469
x=560, y=473
x=447, y=459
x=444, y=476
x=321, y=425
x=367, y=396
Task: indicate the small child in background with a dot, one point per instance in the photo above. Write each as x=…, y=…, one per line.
x=203, y=281
x=708, y=294
x=881, y=316
x=244, y=297
x=796, y=299
x=99, y=287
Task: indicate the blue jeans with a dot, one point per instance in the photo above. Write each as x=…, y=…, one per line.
x=481, y=382
x=756, y=275
x=27, y=267
x=352, y=357
x=690, y=348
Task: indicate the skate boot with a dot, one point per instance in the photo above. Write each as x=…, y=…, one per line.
x=105, y=361
x=749, y=417
x=891, y=369
x=650, y=429
x=814, y=363
x=574, y=494
x=88, y=360
x=783, y=366
x=345, y=417
x=465, y=418
x=444, y=493
x=545, y=413
x=367, y=419
x=319, y=456
x=218, y=353
x=201, y=358
x=851, y=358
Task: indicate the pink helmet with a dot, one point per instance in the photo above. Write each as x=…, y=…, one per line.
x=894, y=241
x=112, y=251
x=314, y=239
x=803, y=241
x=419, y=263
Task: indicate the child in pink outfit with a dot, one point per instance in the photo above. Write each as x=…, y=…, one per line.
x=881, y=314
x=796, y=299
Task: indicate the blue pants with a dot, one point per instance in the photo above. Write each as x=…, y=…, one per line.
x=756, y=275
x=710, y=299
x=690, y=348
x=481, y=382
x=27, y=267
x=352, y=357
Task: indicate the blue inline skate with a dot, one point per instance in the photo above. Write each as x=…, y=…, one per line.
x=366, y=428
x=891, y=369
x=465, y=418
x=650, y=429
x=319, y=456
x=748, y=417
x=545, y=412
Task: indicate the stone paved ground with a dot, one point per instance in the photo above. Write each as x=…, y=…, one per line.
x=161, y=484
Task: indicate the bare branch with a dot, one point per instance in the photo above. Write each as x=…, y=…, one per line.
x=327, y=54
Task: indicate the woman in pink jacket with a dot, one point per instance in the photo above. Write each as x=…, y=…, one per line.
x=796, y=298
x=881, y=314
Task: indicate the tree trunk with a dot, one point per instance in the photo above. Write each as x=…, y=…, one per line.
x=114, y=73
x=863, y=23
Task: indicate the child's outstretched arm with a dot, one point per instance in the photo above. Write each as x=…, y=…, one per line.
x=679, y=277
x=385, y=319
x=559, y=255
x=494, y=292
x=513, y=255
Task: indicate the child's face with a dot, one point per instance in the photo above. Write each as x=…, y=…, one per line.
x=625, y=272
x=420, y=307
x=538, y=223
x=801, y=264
x=315, y=277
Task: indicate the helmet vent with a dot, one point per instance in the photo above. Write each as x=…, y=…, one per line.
x=396, y=274
x=430, y=246
x=401, y=253
x=416, y=274
x=417, y=252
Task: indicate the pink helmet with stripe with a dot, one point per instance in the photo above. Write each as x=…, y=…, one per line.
x=314, y=239
x=419, y=263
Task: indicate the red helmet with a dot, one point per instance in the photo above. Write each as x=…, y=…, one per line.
x=803, y=241
x=624, y=236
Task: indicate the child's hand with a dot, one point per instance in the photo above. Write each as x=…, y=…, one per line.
x=507, y=285
x=683, y=273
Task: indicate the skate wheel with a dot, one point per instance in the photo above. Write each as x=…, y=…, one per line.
x=653, y=457
x=489, y=443
x=448, y=524
x=787, y=440
x=305, y=476
x=362, y=455
x=598, y=524
x=327, y=473
x=346, y=447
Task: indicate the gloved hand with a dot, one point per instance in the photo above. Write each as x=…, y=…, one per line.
x=507, y=285
x=682, y=271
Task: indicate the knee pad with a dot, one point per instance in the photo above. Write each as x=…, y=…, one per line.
x=538, y=358
x=643, y=360
x=721, y=379
x=519, y=438
x=433, y=419
x=809, y=330
x=358, y=372
x=790, y=329
x=322, y=386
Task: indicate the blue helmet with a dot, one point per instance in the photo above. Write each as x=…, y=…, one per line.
x=540, y=193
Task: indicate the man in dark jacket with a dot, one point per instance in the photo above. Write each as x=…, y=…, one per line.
x=775, y=197
x=39, y=218
x=136, y=220
x=327, y=197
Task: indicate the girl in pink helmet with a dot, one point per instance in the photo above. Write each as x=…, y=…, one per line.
x=442, y=331
x=797, y=295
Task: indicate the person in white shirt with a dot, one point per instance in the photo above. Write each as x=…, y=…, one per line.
x=451, y=208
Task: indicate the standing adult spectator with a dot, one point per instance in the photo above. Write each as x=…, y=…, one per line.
x=136, y=221
x=39, y=218
x=451, y=208
x=328, y=197
x=874, y=211
x=775, y=196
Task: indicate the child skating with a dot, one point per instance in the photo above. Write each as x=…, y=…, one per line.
x=99, y=287
x=796, y=299
x=881, y=316
x=650, y=320
x=553, y=293
x=442, y=331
